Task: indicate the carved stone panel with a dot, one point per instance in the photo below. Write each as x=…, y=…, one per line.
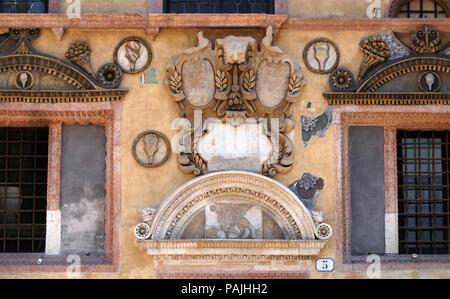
x=198, y=82
x=272, y=83
x=233, y=220
x=236, y=82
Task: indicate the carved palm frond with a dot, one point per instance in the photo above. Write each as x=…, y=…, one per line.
x=249, y=80
x=221, y=80
x=295, y=84
x=175, y=82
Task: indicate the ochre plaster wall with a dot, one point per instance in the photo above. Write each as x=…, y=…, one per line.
x=150, y=107
x=332, y=9
x=297, y=8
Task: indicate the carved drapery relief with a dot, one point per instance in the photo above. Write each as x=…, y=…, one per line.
x=230, y=205
x=235, y=83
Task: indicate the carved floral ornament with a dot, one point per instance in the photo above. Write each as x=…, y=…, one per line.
x=234, y=82
x=385, y=61
x=26, y=75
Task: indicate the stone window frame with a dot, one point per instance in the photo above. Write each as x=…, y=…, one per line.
x=157, y=7
x=107, y=115
x=390, y=118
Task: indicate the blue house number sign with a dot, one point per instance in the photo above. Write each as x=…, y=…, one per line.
x=325, y=265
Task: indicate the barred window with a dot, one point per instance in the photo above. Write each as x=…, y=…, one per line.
x=220, y=6
x=423, y=191
x=421, y=9
x=23, y=189
x=24, y=6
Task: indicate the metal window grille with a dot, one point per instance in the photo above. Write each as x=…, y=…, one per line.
x=23, y=189
x=422, y=9
x=24, y=6
x=220, y=6
x=423, y=191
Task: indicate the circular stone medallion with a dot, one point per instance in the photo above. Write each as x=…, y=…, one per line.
x=321, y=56
x=133, y=55
x=151, y=148
x=429, y=82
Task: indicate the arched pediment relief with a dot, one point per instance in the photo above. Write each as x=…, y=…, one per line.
x=236, y=82
x=229, y=205
x=414, y=79
x=25, y=70
x=235, y=221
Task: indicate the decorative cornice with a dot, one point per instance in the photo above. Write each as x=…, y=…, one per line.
x=233, y=249
x=153, y=22
x=57, y=96
x=387, y=98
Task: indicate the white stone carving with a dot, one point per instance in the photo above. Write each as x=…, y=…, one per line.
x=324, y=231
x=142, y=231
x=233, y=187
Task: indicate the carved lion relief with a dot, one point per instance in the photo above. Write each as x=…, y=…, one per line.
x=236, y=82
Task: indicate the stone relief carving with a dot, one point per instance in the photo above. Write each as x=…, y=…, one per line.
x=426, y=40
x=133, y=55
x=230, y=205
x=29, y=76
x=151, y=148
x=308, y=190
x=316, y=125
x=397, y=50
x=321, y=56
x=236, y=83
x=233, y=221
x=385, y=60
x=429, y=82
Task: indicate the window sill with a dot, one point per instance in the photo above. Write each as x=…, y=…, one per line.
x=30, y=262
x=152, y=22
x=394, y=262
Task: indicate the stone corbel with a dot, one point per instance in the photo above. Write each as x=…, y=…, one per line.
x=58, y=32
x=152, y=32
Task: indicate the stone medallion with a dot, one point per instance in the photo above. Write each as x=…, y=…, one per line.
x=151, y=148
x=321, y=56
x=24, y=80
x=133, y=55
x=429, y=82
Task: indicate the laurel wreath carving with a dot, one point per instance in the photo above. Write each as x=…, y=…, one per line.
x=249, y=80
x=221, y=80
x=295, y=84
x=175, y=82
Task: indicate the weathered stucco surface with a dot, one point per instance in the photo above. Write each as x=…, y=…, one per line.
x=149, y=106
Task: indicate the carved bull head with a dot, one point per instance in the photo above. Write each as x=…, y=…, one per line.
x=234, y=49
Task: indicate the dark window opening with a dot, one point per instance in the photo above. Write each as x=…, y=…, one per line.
x=23, y=6
x=23, y=189
x=220, y=6
x=421, y=9
x=423, y=191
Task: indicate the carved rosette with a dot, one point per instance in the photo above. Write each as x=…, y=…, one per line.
x=236, y=81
